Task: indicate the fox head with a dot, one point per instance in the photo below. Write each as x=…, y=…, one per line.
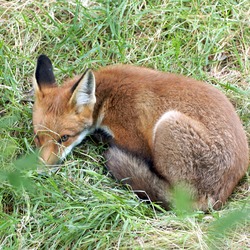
x=62, y=115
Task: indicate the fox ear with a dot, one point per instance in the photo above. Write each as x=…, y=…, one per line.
x=44, y=76
x=83, y=91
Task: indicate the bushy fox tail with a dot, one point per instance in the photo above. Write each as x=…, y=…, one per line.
x=130, y=169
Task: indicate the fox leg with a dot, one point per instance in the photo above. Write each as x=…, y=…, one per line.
x=185, y=155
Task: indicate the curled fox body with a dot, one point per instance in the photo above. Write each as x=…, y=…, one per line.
x=166, y=129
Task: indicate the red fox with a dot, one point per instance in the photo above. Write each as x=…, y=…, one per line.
x=165, y=129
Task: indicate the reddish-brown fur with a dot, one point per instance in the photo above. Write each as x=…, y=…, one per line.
x=187, y=129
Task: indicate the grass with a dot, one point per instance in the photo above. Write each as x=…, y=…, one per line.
x=81, y=207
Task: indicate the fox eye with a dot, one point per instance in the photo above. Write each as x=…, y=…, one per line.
x=64, y=138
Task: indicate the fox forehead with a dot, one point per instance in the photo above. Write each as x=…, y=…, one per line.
x=53, y=100
x=66, y=122
x=52, y=112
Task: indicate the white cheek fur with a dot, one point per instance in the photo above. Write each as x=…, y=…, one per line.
x=79, y=139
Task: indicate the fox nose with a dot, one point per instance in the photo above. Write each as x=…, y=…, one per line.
x=47, y=165
x=48, y=154
x=49, y=159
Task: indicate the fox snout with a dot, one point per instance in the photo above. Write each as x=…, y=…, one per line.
x=49, y=154
x=52, y=152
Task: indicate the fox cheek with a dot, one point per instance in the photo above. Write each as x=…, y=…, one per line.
x=67, y=149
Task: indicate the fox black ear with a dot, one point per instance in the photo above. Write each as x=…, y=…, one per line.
x=44, y=75
x=83, y=91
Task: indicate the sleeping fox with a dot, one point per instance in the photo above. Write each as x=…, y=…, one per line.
x=165, y=129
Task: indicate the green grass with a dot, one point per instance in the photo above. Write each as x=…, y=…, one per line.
x=82, y=207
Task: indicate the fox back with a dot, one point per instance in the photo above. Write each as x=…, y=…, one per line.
x=166, y=129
